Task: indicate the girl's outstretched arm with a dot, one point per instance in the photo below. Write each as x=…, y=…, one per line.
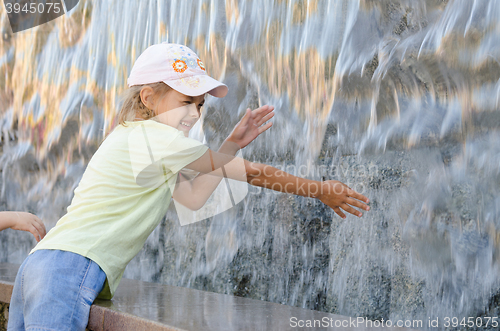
x=22, y=221
x=334, y=194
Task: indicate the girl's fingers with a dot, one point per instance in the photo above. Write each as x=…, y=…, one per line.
x=359, y=196
x=339, y=212
x=265, y=119
x=42, y=226
x=262, y=111
x=351, y=210
x=33, y=230
x=357, y=203
x=259, y=114
x=265, y=127
x=40, y=229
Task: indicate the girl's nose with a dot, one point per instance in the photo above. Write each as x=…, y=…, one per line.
x=193, y=111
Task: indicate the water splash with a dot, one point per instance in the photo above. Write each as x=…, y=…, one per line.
x=409, y=89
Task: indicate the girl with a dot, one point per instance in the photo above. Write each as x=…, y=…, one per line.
x=128, y=184
x=22, y=221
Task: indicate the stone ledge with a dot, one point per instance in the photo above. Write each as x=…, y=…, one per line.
x=155, y=307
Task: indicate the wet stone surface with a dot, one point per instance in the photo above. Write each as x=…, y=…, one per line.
x=147, y=306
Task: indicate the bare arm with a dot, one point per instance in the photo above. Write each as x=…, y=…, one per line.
x=215, y=165
x=193, y=194
x=22, y=221
x=333, y=193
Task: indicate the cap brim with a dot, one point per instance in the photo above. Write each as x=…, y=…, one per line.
x=198, y=85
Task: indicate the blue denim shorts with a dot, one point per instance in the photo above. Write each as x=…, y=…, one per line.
x=54, y=291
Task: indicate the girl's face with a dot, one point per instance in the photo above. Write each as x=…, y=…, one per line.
x=179, y=111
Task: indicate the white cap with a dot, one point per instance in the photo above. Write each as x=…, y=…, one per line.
x=178, y=67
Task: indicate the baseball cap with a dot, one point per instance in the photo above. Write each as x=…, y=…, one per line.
x=178, y=67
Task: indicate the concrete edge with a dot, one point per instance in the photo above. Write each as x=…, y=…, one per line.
x=103, y=318
x=6, y=291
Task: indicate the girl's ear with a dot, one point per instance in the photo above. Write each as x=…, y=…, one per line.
x=147, y=97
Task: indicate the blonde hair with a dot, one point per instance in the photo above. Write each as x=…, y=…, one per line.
x=132, y=105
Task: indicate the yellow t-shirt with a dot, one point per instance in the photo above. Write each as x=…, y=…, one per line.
x=123, y=195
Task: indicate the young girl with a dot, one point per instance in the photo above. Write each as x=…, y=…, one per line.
x=128, y=184
x=18, y=220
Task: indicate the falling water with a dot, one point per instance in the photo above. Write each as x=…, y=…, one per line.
x=399, y=99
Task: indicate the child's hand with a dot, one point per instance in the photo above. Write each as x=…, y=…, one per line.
x=337, y=195
x=250, y=126
x=28, y=222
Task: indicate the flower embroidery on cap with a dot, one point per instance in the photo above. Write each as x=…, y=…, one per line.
x=179, y=66
x=191, y=63
x=202, y=66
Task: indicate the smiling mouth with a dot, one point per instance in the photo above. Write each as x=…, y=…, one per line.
x=186, y=124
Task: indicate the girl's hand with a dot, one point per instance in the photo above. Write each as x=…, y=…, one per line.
x=337, y=195
x=29, y=222
x=251, y=125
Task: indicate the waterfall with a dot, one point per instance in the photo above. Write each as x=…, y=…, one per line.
x=398, y=99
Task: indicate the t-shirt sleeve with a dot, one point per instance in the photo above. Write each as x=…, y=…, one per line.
x=181, y=152
x=155, y=149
